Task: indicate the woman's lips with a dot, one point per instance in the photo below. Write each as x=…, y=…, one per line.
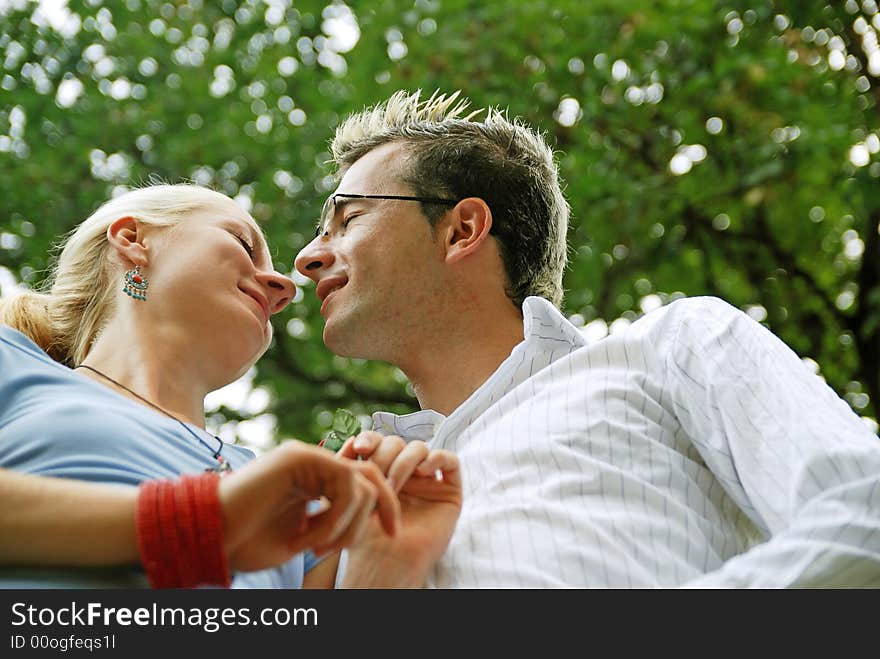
x=261, y=301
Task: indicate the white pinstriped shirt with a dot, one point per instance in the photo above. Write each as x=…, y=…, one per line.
x=693, y=448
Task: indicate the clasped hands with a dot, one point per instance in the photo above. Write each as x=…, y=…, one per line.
x=395, y=508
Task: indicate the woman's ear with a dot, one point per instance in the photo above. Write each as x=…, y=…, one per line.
x=468, y=228
x=126, y=237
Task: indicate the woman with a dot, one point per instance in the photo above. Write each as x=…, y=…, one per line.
x=161, y=296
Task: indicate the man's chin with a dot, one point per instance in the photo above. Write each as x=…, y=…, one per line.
x=340, y=349
x=333, y=341
x=342, y=343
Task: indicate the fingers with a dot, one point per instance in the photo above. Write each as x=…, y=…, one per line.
x=352, y=501
x=265, y=503
x=346, y=451
x=349, y=528
x=405, y=463
x=444, y=462
x=380, y=449
x=399, y=460
x=278, y=484
x=350, y=497
x=396, y=458
x=387, y=503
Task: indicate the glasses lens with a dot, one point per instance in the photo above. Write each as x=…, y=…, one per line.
x=326, y=215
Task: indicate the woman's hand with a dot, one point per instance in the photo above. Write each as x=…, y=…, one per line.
x=265, y=505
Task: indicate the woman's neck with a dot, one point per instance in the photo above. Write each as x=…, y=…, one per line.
x=157, y=368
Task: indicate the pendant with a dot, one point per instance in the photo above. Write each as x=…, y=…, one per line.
x=222, y=466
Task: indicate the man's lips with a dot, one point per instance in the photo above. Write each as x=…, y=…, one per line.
x=260, y=299
x=327, y=286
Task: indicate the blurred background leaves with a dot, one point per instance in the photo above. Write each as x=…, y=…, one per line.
x=720, y=148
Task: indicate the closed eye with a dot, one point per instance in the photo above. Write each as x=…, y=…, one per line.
x=346, y=221
x=323, y=230
x=247, y=246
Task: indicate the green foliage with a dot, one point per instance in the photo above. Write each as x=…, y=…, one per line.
x=345, y=425
x=723, y=148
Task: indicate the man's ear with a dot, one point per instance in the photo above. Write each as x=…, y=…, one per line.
x=126, y=238
x=467, y=229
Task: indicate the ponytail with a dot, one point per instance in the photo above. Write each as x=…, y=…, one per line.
x=28, y=312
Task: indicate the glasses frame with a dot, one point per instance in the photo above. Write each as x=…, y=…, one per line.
x=320, y=230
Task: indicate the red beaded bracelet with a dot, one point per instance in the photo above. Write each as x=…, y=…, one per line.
x=180, y=532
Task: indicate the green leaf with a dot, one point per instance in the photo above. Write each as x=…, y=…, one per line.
x=345, y=425
x=333, y=443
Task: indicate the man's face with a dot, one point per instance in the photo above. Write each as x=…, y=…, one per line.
x=376, y=264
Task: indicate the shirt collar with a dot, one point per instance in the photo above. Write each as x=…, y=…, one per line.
x=544, y=322
x=545, y=330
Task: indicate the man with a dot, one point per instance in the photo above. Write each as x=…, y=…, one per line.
x=694, y=448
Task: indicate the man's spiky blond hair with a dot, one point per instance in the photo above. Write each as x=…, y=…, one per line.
x=396, y=114
x=451, y=154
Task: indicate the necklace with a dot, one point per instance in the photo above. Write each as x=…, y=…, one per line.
x=222, y=463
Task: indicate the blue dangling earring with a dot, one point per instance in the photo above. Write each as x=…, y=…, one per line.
x=135, y=284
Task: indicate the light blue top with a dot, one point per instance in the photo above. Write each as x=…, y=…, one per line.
x=55, y=422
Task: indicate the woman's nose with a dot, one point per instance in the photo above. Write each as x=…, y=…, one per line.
x=279, y=288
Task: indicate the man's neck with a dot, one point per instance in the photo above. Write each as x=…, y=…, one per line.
x=446, y=375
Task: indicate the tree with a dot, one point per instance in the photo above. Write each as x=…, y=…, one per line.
x=723, y=148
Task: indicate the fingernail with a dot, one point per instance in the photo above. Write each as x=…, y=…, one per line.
x=361, y=442
x=392, y=483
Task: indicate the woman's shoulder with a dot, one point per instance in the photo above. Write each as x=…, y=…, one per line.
x=15, y=345
x=15, y=342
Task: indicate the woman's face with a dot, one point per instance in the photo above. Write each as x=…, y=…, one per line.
x=211, y=277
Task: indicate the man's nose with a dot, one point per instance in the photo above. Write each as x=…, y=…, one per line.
x=313, y=258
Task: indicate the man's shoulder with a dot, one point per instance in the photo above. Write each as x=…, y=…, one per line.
x=701, y=305
x=704, y=323
x=705, y=314
x=684, y=308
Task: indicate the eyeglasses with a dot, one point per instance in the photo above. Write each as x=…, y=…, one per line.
x=330, y=205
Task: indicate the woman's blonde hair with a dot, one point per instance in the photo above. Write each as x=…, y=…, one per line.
x=66, y=314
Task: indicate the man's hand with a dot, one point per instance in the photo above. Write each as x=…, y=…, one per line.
x=428, y=484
